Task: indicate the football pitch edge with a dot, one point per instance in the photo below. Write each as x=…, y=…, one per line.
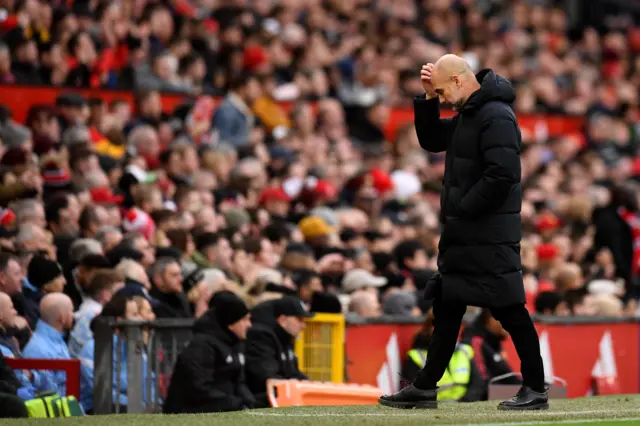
x=604, y=411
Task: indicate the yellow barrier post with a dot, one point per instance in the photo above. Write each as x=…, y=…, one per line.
x=320, y=348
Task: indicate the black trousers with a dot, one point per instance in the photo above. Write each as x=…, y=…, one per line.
x=516, y=321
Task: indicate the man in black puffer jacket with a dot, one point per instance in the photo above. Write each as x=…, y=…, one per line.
x=480, y=202
x=270, y=353
x=209, y=373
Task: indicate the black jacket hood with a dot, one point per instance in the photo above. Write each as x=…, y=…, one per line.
x=492, y=88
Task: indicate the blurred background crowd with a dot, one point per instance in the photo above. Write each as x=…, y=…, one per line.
x=289, y=185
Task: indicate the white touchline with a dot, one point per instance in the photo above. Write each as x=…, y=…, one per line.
x=537, y=417
x=561, y=422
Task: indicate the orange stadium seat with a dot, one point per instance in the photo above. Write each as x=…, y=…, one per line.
x=296, y=393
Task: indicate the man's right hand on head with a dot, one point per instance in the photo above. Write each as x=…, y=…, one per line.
x=425, y=79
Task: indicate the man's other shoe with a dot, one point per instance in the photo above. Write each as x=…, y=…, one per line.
x=411, y=397
x=526, y=399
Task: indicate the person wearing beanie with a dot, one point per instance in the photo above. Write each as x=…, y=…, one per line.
x=270, y=353
x=45, y=276
x=209, y=374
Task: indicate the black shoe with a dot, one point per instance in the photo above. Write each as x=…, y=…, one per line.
x=411, y=397
x=526, y=399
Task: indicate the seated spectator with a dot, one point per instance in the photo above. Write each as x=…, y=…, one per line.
x=326, y=303
x=11, y=278
x=30, y=382
x=213, y=251
x=270, y=353
x=360, y=279
x=308, y=283
x=401, y=303
x=79, y=278
x=485, y=336
x=120, y=307
x=608, y=305
x=580, y=303
x=461, y=380
x=104, y=284
x=233, y=118
x=167, y=290
x=209, y=373
x=135, y=278
x=47, y=342
x=45, y=276
x=551, y=303
x=411, y=255
x=365, y=305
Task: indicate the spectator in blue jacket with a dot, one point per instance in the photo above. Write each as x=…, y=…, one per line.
x=47, y=342
x=233, y=119
x=103, y=285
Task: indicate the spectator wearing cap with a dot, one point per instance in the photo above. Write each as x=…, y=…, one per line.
x=362, y=280
x=45, y=276
x=270, y=353
x=47, y=341
x=209, y=374
x=104, y=284
x=213, y=251
x=275, y=201
x=233, y=119
x=199, y=290
x=140, y=222
x=365, y=305
x=308, y=284
x=316, y=233
x=167, y=289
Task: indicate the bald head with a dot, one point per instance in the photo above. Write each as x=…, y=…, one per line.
x=56, y=309
x=453, y=80
x=451, y=64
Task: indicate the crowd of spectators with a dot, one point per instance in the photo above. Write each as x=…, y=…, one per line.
x=167, y=209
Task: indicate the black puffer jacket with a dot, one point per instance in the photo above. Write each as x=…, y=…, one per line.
x=270, y=353
x=209, y=373
x=479, y=251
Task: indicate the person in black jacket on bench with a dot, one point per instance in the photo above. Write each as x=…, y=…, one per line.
x=270, y=354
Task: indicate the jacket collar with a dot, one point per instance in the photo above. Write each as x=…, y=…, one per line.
x=27, y=284
x=283, y=336
x=88, y=306
x=48, y=332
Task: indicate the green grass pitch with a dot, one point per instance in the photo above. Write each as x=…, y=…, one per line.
x=605, y=411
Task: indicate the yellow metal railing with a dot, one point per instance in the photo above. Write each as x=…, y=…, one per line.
x=320, y=348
